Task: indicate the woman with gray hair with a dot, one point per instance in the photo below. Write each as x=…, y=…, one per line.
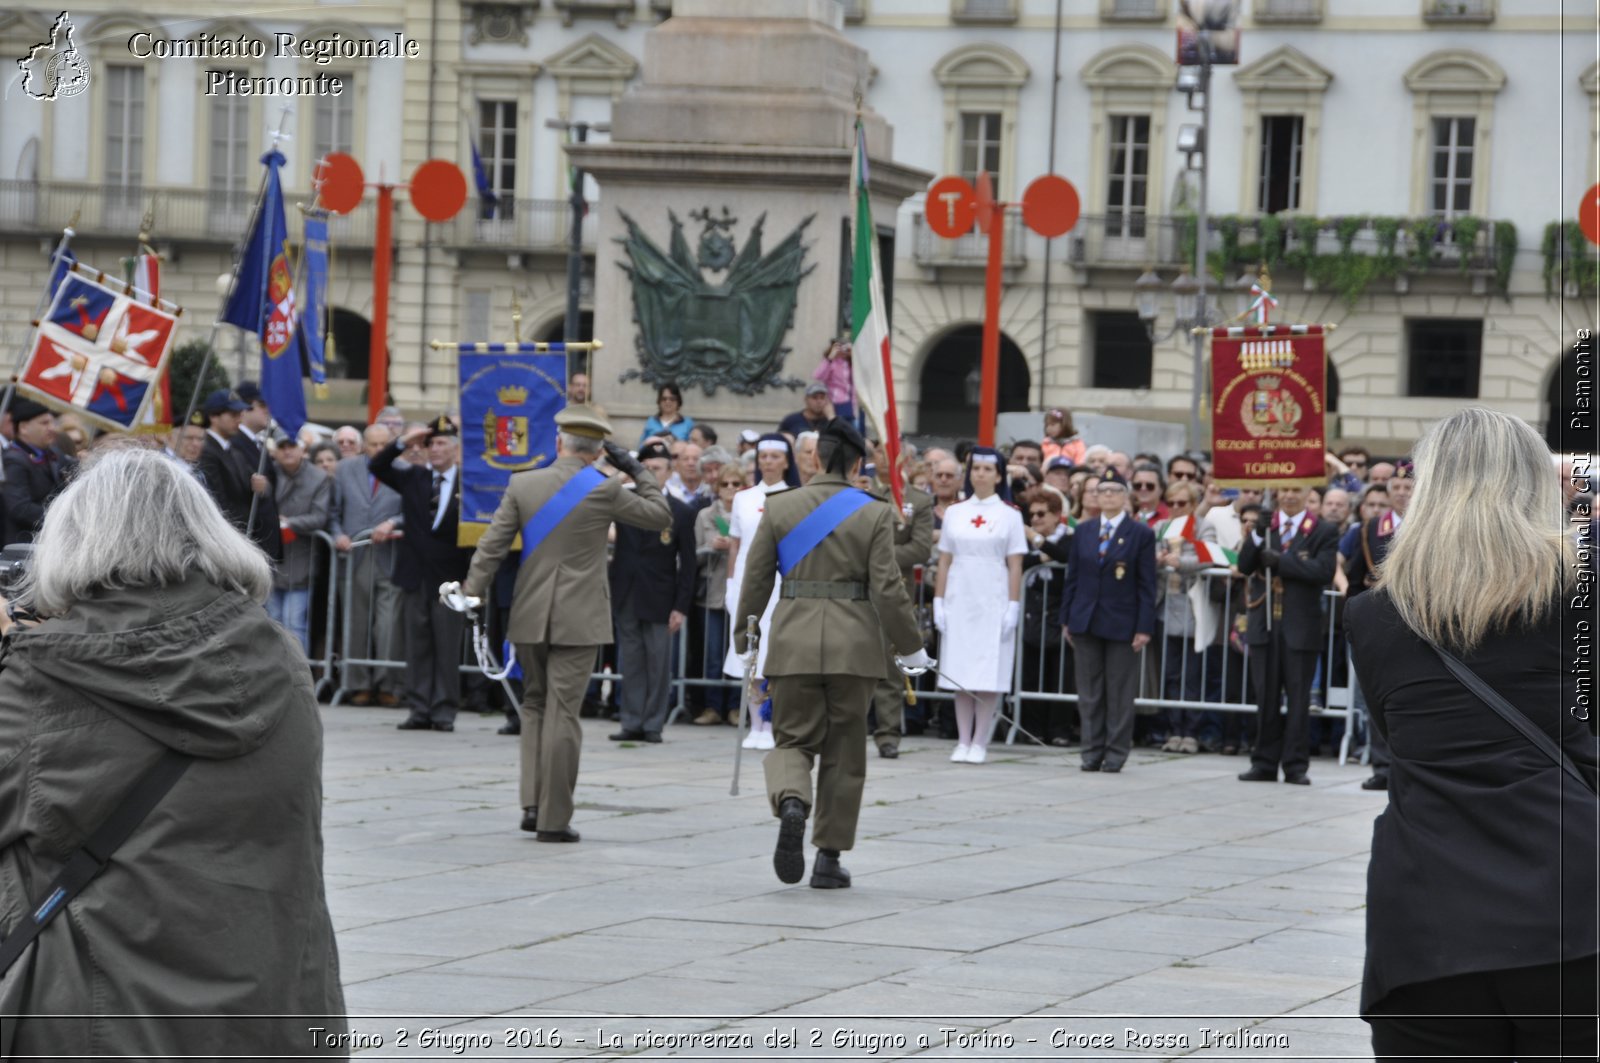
x=153, y=639
x=1481, y=921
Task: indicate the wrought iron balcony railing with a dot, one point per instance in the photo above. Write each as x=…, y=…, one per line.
x=517, y=225
x=182, y=214
x=928, y=248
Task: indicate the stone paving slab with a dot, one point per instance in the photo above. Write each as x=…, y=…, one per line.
x=994, y=904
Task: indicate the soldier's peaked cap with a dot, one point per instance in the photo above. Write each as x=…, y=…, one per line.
x=1111, y=476
x=580, y=419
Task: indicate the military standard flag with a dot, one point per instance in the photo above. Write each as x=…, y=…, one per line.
x=869, y=327
x=99, y=351
x=263, y=304
x=144, y=275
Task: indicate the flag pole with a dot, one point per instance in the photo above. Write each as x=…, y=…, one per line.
x=233, y=276
x=45, y=299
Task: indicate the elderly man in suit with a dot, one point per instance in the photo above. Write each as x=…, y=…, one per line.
x=1295, y=553
x=842, y=594
x=652, y=591
x=430, y=507
x=561, y=605
x=1108, y=613
x=362, y=504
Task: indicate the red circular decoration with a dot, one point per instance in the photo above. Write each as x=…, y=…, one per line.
x=949, y=207
x=1589, y=214
x=1050, y=205
x=339, y=182
x=438, y=190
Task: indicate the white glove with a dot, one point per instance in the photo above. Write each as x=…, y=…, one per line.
x=450, y=595
x=1008, y=624
x=938, y=614
x=917, y=663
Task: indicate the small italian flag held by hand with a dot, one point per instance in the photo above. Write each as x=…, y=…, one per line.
x=1208, y=553
x=873, y=374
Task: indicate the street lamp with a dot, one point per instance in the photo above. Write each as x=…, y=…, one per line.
x=579, y=134
x=1189, y=309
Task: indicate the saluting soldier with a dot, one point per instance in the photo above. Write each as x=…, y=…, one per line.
x=561, y=607
x=834, y=545
x=913, y=546
x=1295, y=554
x=1361, y=551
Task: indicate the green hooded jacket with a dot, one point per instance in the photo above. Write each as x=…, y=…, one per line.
x=214, y=907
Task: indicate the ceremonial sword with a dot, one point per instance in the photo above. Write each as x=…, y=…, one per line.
x=752, y=636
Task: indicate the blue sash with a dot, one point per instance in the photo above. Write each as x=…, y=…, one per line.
x=555, y=510
x=817, y=526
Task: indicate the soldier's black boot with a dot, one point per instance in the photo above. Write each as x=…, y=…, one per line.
x=789, y=859
x=826, y=872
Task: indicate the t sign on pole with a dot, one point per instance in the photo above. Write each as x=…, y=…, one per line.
x=1049, y=207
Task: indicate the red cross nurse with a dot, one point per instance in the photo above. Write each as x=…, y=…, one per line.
x=975, y=605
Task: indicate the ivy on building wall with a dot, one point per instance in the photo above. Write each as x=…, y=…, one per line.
x=1392, y=245
x=1568, y=256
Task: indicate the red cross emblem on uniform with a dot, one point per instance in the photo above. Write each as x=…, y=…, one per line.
x=978, y=521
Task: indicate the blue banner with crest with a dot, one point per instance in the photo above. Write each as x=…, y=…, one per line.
x=509, y=400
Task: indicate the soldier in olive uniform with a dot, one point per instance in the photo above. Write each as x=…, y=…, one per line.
x=841, y=593
x=561, y=608
x=913, y=546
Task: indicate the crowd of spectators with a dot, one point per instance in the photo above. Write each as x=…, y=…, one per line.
x=288, y=490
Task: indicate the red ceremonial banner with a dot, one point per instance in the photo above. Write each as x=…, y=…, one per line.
x=1268, y=383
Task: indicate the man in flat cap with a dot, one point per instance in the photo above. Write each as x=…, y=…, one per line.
x=842, y=593
x=1108, y=614
x=229, y=466
x=35, y=473
x=430, y=507
x=561, y=607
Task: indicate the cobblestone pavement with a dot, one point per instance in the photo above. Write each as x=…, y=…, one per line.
x=1101, y=916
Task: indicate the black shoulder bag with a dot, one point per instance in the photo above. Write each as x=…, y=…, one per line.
x=1510, y=714
x=93, y=855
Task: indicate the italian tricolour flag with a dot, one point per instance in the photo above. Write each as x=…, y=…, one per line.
x=869, y=329
x=144, y=274
x=1208, y=553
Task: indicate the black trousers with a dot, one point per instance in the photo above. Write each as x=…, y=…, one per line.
x=1491, y=1015
x=1278, y=672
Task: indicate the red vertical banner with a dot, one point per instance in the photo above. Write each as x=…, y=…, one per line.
x=1269, y=385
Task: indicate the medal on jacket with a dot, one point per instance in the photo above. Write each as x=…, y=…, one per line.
x=1120, y=569
x=666, y=537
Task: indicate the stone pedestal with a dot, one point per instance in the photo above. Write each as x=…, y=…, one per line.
x=746, y=108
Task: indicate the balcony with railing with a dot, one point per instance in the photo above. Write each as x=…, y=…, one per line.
x=984, y=11
x=1456, y=11
x=517, y=225
x=1275, y=11
x=971, y=251
x=177, y=214
x=1127, y=241
x=1134, y=10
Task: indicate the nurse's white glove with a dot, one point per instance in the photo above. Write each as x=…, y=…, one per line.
x=1008, y=624
x=938, y=614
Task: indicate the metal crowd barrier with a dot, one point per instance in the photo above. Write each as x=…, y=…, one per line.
x=349, y=645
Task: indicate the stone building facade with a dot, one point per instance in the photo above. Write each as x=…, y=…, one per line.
x=1349, y=131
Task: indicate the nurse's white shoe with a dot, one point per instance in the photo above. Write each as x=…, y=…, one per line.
x=764, y=740
x=977, y=754
x=960, y=755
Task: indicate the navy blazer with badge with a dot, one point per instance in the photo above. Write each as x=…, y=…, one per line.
x=1306, y=569
x=1095, y=601
x=427, y=556
x=652, y=572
